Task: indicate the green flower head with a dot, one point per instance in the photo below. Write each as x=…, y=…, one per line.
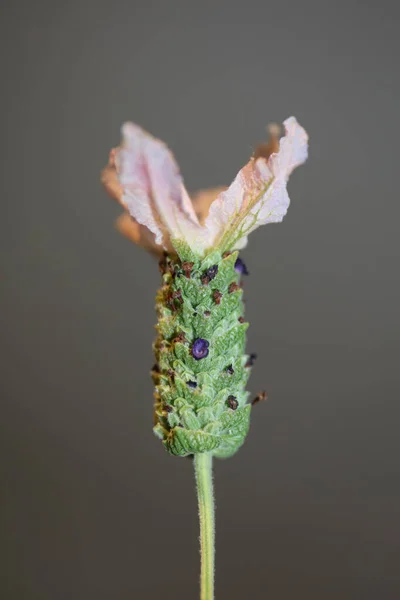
x=201, y=369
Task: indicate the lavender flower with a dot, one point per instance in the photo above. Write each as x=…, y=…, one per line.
x=240, y=267
x=200, y=348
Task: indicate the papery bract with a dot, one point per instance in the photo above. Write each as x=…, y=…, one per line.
x=153, y=191
x=144, y=176
x=258, y=194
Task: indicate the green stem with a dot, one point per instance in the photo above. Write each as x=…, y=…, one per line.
x=203, y=470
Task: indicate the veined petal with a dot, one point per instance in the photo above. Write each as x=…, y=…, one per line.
x=258, y=194
x=293, y=149
x=141, y=208
x=133, y=177
x=153, y=190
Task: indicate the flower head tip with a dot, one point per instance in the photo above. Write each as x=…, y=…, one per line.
x=143, y=176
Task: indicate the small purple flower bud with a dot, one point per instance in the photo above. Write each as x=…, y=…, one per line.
x=240, y=267
x=209, y=274
x=192, y=384
x=200, y=348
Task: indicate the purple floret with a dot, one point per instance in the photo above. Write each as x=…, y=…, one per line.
x=240, y=267
x=209, y=274
x=200, y=348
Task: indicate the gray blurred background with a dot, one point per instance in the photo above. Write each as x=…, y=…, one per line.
x=91, y=505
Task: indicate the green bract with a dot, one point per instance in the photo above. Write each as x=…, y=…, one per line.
x=201, y=405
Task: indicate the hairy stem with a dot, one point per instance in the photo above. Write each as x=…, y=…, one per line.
x=203, y=471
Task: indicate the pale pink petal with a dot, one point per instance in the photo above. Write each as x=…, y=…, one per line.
x=134, y=179
x=227, y=211
x=293, y=149
x=258, y=194
x=153, y=189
